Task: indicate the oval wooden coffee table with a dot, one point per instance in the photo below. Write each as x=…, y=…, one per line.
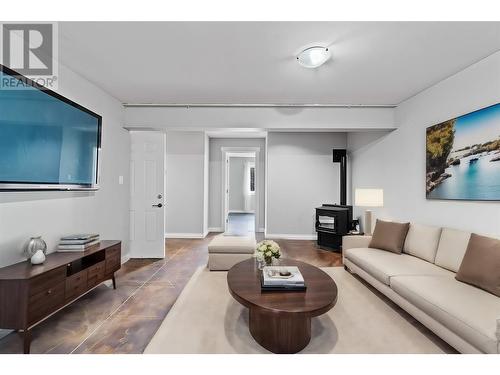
x=281, y=321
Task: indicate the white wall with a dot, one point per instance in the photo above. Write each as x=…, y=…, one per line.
x=215, y=178
x=238, y=188
x=301, y=176
x=396, y=161
x=53, y=214
x=185, y=181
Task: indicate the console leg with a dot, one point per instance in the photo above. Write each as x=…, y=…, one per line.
x=26, y=341
x=114, y=282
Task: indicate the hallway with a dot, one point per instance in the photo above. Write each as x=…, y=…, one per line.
x=240, y=224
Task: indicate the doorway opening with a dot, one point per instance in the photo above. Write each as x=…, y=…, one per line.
x=241, y=195
x=240, y=224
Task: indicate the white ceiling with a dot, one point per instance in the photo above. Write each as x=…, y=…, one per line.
x=378, y=63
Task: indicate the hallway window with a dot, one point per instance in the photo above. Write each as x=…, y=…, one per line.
x=251, y=179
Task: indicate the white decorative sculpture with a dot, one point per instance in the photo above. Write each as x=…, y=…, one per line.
x=38, y=257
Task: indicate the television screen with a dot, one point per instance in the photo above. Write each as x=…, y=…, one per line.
x=46, y=140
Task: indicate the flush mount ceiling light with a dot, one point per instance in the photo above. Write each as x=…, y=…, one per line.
x=313, y=57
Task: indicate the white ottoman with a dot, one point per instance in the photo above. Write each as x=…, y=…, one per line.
x=225, y=251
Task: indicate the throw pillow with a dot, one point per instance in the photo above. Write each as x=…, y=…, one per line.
x=481, y=264
x=389, y=236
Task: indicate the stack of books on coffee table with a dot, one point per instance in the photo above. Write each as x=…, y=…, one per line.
x=284, y=278
x=78, y=242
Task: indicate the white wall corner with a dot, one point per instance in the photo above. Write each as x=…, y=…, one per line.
x=125, y=258
x=373, y=155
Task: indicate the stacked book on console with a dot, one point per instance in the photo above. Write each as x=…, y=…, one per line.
x=282, y=278
x=78, y=242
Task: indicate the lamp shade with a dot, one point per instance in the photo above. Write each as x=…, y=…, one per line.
x=369, y=197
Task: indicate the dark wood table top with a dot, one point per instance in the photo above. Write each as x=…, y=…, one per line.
x=26, y=270
x=321, y=295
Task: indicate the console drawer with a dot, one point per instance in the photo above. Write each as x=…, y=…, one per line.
x=113, y=263
x=95, y=274
x=113, y=251
x=76, y=285
x=47, y=280
x=96, y=269
x=45, y=302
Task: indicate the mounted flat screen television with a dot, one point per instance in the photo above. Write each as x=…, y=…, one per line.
x=47, y=142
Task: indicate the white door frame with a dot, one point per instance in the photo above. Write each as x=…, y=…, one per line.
x=226, y=151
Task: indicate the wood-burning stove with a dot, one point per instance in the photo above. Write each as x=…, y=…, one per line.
x=335, y=220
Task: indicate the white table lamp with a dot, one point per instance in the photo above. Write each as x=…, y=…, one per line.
x=368, y=198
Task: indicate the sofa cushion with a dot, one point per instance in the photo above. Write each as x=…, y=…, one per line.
x=389, y=236
x=422, y=241
x=451, y=249
x=383, y=265
x=232, y=244
x=468, y=311
x=481, y=264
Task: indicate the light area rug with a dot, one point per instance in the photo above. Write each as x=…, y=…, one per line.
x=206, y=319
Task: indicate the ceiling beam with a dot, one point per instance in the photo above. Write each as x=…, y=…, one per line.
x=260, y=118
x=253, y=105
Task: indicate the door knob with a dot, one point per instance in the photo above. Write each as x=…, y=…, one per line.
x=159, y=205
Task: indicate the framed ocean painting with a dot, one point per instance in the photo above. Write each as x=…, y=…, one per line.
x=463, y=157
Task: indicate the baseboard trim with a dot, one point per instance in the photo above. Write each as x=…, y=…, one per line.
x=216, y=229
x=184, y=235
x=125, y=258
x=275, y=236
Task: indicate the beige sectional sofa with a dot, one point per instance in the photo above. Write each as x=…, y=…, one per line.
x=422, y=281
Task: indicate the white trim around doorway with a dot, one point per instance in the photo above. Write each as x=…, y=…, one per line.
x=244, y=151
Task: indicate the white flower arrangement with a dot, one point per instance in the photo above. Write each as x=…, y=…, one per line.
x=268, y=250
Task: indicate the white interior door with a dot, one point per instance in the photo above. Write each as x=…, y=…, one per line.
x=147, y=192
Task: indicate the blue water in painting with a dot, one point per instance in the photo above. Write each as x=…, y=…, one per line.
x=476, y=181
x=479, y=180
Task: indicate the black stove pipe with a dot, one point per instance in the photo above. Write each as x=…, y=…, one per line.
x=340, y=156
